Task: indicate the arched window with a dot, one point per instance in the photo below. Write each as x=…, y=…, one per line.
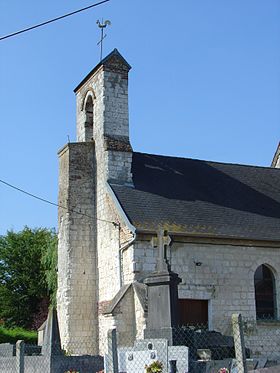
x=265, y=293
x=89, y=119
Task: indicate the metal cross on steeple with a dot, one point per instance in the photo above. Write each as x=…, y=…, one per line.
x=102, y=25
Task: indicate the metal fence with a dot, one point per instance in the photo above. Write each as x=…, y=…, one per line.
x=233, y=345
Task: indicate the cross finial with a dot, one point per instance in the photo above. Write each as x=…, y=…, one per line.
x=162, y=241
x=102, y=25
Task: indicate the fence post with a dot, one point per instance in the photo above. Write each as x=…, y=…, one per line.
x=239, y=344
x=112, y=351
x=20, y=357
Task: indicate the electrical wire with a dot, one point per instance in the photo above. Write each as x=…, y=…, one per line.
x=52, y=20
x=54, y=204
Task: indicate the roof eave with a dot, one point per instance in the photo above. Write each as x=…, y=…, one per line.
x=120, y=209
x=251, y=241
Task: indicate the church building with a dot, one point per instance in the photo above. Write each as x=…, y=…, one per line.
x=222, y=221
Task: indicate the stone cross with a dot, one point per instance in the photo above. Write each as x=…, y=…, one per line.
x=162, y=241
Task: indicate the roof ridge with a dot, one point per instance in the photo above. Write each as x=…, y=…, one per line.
x=204, y=160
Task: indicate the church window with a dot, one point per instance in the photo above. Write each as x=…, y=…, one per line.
x=89, y=119
x=265, y=293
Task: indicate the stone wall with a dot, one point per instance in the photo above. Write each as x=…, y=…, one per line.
x=140, y=317
x=128, y=317
x=225, y=277
x=77, y=277
x=124, y=315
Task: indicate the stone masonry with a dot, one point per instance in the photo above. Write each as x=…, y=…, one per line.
x=77, y=277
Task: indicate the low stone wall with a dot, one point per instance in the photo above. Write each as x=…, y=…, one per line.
x=55, y=364
x=84, y=364
x=7, y=349
x=7, y=364
x=34, y=362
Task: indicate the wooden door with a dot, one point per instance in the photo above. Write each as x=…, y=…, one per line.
x=193, y=312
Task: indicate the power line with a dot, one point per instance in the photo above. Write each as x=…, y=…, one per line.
x=53, y=203
x=52, y=20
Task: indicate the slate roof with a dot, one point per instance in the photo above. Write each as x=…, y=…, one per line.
x=106, y=60
x=203, y=198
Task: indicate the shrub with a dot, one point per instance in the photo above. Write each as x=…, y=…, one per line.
x=154, y=367
x=13, y=335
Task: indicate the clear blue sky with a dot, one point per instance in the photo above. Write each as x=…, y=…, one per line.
x=205, y=83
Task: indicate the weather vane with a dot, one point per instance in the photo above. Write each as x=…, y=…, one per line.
x=102, y=26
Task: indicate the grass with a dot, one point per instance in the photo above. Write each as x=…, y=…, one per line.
x=13, y=335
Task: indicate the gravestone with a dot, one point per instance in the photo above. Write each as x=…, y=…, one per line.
x=136, y=360
x=144, y=352
x=122, y=351
x=261, y=362
x=51, y=343
x=180, y=355
x=159, y=345
x=213, y=366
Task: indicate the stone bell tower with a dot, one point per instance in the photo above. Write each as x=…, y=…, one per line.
x=102, y=153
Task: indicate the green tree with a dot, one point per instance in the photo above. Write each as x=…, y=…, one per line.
x=25, y=268
x=49, y=262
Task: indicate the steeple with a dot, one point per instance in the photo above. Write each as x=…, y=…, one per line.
x=113, y=61
x=102, y=153
x=102, y=114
